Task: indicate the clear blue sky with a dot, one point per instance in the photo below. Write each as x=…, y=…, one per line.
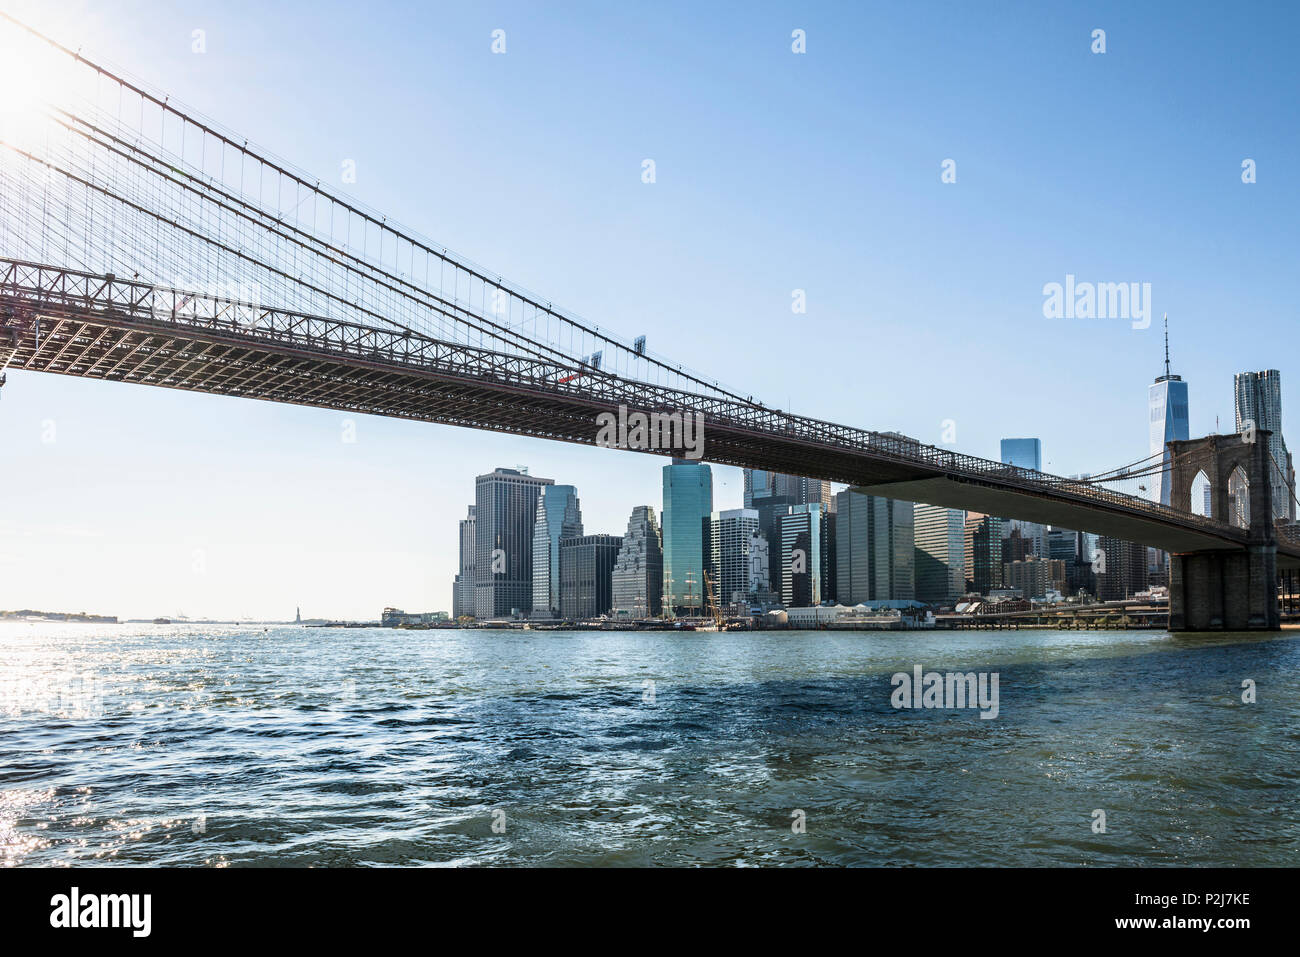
x=775, y=171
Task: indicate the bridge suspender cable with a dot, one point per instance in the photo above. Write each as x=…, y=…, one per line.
x=384, y=225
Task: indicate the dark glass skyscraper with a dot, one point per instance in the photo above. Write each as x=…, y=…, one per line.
x=805, y=556
x=983, y=552
x=761, y=484
x=1078, y=550
x=940, y=553
x=875, y=541
x=505, y=509
x=587, y=575
x=1121, y=569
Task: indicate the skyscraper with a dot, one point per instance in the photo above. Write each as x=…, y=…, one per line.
x=1167, y=414
x=876, y=549
x=760, y=484
x=1258, y=399
x=1017, y=546
x=807, y=491
x=558, y=516
x=940, y=553
x=736, y=554
x=1121, y=569
x=639, y=569
x=1025, y=454
x=1168, y=417
x=982, y=552
x=587, y=575
x=1077, y=550
x=1029, y=576
x=770, y=508
x=462, y=588
x=805, y=560
x=505, y=508
x=853, y=563
x=688, y=503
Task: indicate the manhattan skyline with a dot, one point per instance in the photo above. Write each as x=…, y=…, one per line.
x=227, y=507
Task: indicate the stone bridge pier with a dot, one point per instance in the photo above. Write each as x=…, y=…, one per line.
x=1226, y=589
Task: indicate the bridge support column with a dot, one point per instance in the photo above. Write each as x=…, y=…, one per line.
x=1231, y=589
x=1225, y=590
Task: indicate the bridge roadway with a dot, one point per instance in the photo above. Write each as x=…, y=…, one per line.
x=69, y=322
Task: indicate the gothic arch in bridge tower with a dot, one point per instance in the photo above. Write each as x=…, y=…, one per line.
x=1219, y=457
x=1239, y=498
x=1200, y=504
x=1226, y=589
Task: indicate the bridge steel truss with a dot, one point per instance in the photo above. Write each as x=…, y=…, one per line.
x=69, y=322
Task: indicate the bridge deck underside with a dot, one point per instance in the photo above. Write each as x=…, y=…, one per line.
x=161, y=354
x=95, y=344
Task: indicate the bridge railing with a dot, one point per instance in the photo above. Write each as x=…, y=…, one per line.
x=910, y=451
x=38, y=287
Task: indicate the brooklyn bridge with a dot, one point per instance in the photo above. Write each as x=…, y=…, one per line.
x=141, y=243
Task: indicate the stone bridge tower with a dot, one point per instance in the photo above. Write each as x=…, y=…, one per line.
x=1226, y=589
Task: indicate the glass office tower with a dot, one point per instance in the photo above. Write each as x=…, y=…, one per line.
x=875, y=542
x=558, y=516
x=805, y=555
x=761, y=484
x=1025, y=454
x=688, y=503
x=982, y=552
x=587, y=575
x=505, y=509
x=940, y=553
x=1167, y=414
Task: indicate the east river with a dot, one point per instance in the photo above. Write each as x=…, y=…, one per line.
x=216, y=745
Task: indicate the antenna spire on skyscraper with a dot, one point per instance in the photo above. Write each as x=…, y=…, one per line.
x=1166, y=343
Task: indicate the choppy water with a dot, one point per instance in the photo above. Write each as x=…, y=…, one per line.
x=226, y=746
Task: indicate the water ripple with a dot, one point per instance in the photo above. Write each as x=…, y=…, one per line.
x=223, y=746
